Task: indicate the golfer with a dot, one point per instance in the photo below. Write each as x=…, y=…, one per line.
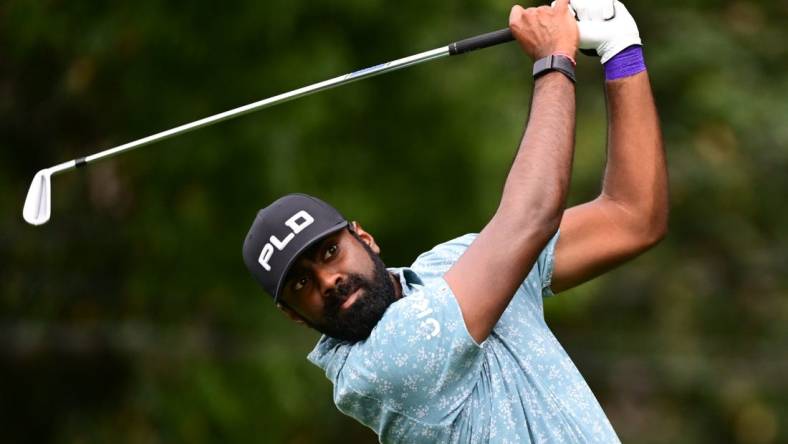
x=454, y=348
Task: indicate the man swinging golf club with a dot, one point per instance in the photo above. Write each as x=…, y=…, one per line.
x=455, y=348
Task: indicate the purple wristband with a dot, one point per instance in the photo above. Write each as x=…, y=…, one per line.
x=626, y=63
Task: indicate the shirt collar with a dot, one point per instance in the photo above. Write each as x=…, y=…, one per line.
x=407, y=279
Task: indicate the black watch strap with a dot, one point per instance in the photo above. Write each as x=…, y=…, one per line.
x=555, y=62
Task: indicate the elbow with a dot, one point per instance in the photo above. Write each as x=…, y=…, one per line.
x=546, y=220
x=533, y=206
x=549, y=225
x=536, y=225
x=533, y=216
x=655, y=235
x=658, y=220
x=539, y=222
x=653, y=229
x=645, y=216
x=645, y=225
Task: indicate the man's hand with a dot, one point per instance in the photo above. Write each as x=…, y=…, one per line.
x=607, y=36
x=545, y=30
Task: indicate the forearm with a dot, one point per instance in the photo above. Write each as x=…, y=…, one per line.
x=531, y=208
x=538, y=181
x=636, y=178
x=487, y=274
x=534, y=195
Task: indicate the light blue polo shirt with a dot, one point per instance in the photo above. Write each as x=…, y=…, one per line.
x=421, y=378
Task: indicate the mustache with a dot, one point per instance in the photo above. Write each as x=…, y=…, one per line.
x=339, y=294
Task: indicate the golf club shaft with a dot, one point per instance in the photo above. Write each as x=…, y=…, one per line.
x=281, y=98
x=456, y=48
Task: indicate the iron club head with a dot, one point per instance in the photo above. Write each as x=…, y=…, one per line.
x=38, y=202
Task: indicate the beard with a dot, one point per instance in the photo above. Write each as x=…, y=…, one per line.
x=355, y=323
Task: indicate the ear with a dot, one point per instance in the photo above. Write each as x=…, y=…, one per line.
x=290, y=313
x=365, y=237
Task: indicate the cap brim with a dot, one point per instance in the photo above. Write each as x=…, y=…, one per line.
x=298, y=252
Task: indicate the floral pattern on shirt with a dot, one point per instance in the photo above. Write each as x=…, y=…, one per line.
x=421, y=378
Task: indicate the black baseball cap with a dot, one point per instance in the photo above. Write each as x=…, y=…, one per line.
x=284, y=230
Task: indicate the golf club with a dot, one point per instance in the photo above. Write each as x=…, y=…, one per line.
x=38, y=204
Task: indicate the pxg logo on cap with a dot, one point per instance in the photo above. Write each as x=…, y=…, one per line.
x=281, y=232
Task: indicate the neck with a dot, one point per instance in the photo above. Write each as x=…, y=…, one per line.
x=397, y=284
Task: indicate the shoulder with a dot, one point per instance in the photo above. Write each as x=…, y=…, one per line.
x=438, y=260
x=330, y=355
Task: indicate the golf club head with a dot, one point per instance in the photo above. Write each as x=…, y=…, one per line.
x=38, y=203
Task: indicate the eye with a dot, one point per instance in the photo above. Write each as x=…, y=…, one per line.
x=330, y=252
x=299, y=284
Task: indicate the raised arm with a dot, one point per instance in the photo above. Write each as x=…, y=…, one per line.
x=486, y=276
x=631, y=213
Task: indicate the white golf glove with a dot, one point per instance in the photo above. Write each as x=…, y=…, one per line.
x=605, y=26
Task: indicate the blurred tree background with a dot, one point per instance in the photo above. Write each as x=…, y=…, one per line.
x=130, y=318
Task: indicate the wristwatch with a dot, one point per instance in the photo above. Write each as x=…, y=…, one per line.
x=555, y=62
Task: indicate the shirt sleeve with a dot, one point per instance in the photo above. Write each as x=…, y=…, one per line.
x=544, y=266
x=419, y=361
x=436, y=262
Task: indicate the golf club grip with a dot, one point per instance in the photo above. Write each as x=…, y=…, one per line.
x=481, y=41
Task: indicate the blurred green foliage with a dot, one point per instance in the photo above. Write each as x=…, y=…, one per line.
x=130, y=317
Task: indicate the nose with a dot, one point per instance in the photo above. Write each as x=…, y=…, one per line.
x=327, y=278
